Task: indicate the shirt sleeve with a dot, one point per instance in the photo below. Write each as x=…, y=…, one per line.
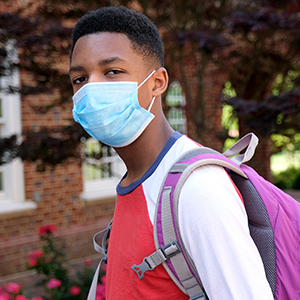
x=214, y=228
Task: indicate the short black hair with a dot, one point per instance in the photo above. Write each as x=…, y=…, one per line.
x=142, y=33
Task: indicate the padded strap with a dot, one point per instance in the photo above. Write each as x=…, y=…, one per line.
x=249, y=141
x=101, y=235
x=188, y=277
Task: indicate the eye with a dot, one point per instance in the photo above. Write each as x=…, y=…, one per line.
x=113, y=72
x=79, y=80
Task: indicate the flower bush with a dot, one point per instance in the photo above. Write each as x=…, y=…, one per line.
x=14, y=291
x=51, y=265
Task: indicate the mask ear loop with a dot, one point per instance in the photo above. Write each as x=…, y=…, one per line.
x=146, y=78
x=152, y=101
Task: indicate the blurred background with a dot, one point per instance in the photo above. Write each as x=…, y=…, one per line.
x=234, y=68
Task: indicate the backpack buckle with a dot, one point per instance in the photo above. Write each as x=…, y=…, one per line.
x=142, y=268
x=159, y=256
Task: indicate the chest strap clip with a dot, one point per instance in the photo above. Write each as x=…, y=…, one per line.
x=155, y=259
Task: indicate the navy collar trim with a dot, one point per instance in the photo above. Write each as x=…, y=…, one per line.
x=121, y=190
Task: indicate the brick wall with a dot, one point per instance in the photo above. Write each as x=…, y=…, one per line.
x=57, y=194
x=76, y=238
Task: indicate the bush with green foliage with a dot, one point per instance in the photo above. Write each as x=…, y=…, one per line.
x=288, y=179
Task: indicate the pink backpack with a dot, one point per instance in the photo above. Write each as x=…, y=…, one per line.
x=274, y=223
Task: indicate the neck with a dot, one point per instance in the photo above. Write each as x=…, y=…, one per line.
x=141, y=154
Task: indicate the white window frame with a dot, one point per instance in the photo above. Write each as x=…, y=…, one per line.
x=103, y=188
x=175, y=95
x=12, y=199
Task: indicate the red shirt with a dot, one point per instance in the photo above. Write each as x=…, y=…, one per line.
x=131, y=240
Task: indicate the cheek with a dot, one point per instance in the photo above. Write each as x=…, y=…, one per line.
x=76, y=88
x=144, y=97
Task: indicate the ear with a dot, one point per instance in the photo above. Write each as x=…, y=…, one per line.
x=161, y=80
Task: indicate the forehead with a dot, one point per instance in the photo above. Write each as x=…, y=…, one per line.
x=104, y=45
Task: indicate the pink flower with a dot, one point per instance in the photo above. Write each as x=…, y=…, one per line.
x=48, y=260
x=33, y=262
x=53, y=283
x=13, y=287
x=88, y=262
x=103, y=279
x=47, y=229
x=4, y=296
x=34, y=257
x=36, y=254
x=37, y=298
x=100, y=290
x=74, y=290
x=21, y=297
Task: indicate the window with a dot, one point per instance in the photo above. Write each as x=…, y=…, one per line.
x=12, y=194
x=175, y=100
x=102, y=171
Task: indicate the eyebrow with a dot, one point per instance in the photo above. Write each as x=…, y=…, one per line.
x=107, y=61
x=102, y=62
x=75, y=69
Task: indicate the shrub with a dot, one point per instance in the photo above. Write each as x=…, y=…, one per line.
x=51, y=264
x=289, y=179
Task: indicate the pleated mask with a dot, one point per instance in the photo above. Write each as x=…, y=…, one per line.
x=110, y=111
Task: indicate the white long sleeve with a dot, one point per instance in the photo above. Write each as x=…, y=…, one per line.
x=213, y=225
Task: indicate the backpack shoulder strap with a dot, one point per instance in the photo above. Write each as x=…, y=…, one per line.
x=166, y=228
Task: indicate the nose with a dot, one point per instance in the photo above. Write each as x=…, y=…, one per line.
x=95, y=78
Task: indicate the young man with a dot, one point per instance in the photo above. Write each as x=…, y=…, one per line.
x=118, y=78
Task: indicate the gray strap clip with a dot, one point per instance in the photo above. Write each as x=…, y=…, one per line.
x=142, y=268
x=159, y=256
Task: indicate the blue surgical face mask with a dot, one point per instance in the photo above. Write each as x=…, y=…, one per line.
x=110, y=111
